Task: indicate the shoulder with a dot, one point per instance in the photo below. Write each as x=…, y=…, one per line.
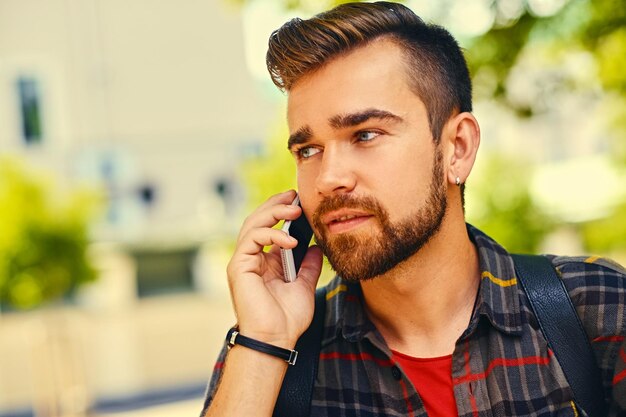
x=597, y=287
x=582, y=275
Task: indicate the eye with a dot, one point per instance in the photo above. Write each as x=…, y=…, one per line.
x=366, y=136
x=307, y=152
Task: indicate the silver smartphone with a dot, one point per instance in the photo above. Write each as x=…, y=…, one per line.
x=301, y=230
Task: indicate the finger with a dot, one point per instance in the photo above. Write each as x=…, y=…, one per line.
x=256, y=239
x=286, y=197
x=311, y=266
x=268, y=215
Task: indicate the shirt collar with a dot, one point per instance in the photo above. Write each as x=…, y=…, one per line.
x=498, y=295
x=497, y=299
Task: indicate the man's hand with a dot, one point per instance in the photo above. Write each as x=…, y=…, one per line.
x=267, y=308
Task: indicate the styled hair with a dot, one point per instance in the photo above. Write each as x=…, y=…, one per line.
x=436, y=67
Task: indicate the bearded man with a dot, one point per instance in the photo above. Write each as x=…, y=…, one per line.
x=425, y=315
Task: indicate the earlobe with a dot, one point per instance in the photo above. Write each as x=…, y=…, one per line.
x=465, y=140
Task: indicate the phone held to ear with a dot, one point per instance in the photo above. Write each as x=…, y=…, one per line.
x=302, y=232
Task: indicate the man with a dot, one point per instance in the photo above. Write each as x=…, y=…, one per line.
x=425, y=316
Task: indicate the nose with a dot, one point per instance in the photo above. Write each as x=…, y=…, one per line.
x=335, y=174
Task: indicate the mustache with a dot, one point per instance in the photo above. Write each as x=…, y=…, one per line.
x=336, y=202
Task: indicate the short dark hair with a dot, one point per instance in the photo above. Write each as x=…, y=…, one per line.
x=436, y=66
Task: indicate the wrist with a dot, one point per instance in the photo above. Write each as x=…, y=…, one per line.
x=281, y=340
x=234, y=337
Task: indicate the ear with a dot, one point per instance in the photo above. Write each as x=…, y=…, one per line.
x=462, y=135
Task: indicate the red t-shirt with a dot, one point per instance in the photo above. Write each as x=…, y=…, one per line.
x=432, y=378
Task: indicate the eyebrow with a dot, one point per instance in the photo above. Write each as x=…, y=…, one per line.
x=342, y=121
x=301, y=135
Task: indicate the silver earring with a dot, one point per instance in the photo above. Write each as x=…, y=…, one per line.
x=457, y=181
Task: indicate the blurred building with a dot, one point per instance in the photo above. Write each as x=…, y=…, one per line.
x=152, y=102
x=153, y=99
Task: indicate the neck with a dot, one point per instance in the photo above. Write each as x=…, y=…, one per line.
x=434, y=290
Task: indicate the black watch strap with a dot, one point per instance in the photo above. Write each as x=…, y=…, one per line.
x=235, y=338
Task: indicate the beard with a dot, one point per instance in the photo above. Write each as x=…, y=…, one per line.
x=357, y=257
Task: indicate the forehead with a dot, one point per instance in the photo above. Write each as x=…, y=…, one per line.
x=371, y=76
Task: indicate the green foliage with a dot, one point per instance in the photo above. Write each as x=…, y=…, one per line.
x=597, y=27
x=273, y=172
x=499, y=203
x=607, y=234
x=593, y=25
x=44, y=237
x=496, y=52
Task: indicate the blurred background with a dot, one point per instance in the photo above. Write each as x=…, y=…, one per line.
x=135, y=136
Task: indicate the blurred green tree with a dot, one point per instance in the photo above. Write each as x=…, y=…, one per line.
x=608, y=234
x=594, y=26
x=498, y=200
x=274, y=171
x=597, y=28
x=43, y=238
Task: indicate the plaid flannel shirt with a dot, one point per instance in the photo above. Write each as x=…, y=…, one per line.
x=501, y=365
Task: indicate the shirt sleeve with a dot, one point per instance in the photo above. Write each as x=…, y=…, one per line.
x=618, y=406
x=597, y=287
x=215, y=378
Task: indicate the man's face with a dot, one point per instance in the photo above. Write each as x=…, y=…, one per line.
x=370, y=176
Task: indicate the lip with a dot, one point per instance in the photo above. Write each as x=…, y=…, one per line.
x=344, y=220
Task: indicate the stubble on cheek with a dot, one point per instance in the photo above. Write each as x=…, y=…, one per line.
x=348, y=252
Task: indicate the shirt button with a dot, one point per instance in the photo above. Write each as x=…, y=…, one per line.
x=396, y=373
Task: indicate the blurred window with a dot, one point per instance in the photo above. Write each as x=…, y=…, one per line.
x=29, y=96
x=147, y=194
x=164, y=271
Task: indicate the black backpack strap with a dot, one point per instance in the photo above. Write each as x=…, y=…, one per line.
x=563, y=330
x=297, y=389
